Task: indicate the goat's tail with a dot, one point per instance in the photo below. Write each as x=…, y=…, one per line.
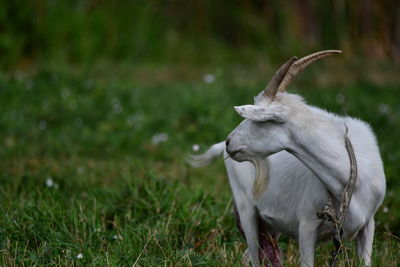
x=207, y=157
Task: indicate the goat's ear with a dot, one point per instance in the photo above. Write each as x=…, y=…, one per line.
x=276, y=113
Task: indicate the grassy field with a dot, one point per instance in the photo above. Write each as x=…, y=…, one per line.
x=92, y=165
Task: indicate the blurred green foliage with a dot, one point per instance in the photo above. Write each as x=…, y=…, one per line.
x=196, y=31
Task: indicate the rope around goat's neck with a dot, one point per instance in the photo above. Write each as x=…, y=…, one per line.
x=349, y=189
x=329, y=213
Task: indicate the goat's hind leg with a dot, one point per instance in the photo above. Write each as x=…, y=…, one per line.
x=270, y=254
x=364, y=240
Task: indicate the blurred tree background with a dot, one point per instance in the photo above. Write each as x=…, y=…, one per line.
x=100, y=100
x=197, y=31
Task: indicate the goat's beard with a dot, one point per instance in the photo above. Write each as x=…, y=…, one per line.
x=261, y=180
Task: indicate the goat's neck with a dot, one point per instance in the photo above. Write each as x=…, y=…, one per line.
x=320, y=144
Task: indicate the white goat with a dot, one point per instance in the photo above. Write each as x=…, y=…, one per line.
x=280, y=121
x=290, y=191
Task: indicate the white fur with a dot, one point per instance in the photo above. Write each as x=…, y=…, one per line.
x=294, y=195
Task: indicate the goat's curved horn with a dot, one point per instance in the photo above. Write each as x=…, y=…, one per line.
x=272, y=87
x=301, y=64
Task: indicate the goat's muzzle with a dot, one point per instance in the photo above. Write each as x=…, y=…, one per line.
x=235, y=153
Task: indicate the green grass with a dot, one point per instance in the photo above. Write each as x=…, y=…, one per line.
x=119, y=199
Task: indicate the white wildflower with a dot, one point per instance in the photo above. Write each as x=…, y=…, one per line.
x=383, y=109
x=42, y=125
x=65, y=93
x=196, y=147
x=19, y=75
x=117, y=237
x=340, y=98
x=49, y=182
x=88, y=84
x=29, y=84
x=116, y=105
x=115, y=101
x=79, y=256
x=159, y=138
x=385, y=210
x=80, y=169
x=209, y=78
x=130, y=120
x=136, y=120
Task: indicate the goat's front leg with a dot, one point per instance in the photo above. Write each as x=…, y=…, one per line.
x=307, y=239
x=364, y=239
x=248, y=223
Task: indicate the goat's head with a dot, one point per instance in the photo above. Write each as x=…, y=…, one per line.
x=263, y=131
